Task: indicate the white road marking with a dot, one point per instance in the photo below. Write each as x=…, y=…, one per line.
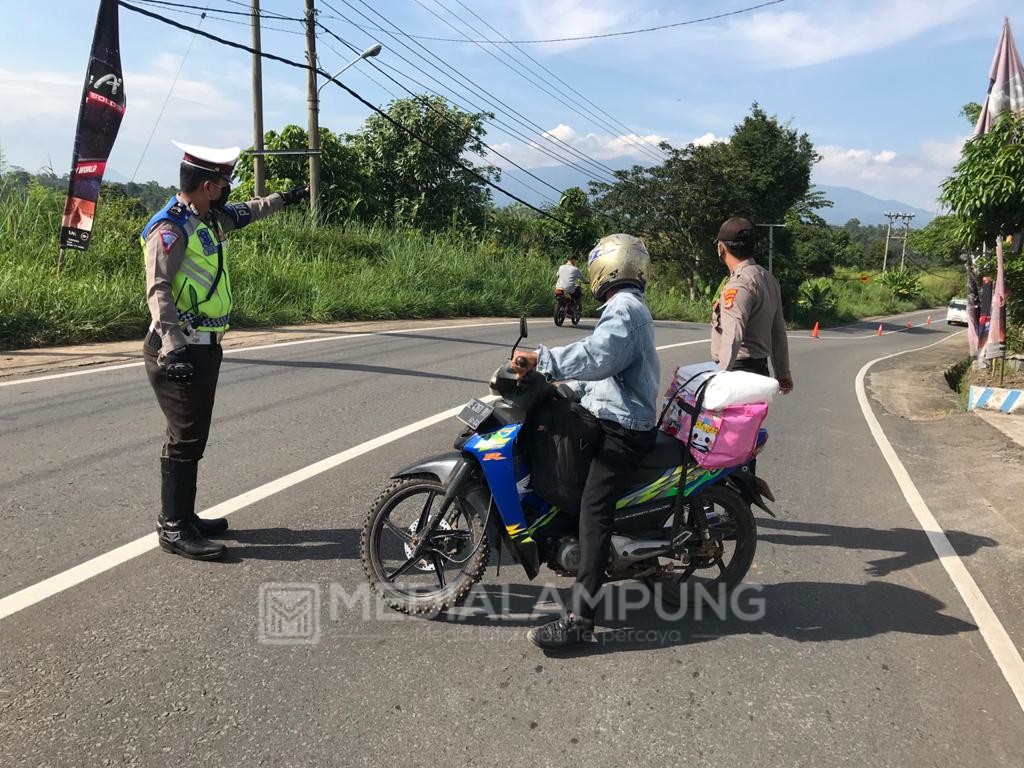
x=1007, y=656
x=65, y=580
x=236, y=350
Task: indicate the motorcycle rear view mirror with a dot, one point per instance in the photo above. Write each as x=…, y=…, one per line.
x=523, y=333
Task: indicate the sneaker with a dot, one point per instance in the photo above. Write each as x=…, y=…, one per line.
x=565, y=632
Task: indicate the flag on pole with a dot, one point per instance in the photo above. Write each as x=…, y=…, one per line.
x=1005, y=94
x=99, y=119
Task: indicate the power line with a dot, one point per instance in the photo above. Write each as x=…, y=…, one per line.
x=203, y=13
x=447, y=118
x=480, y=92
x=599, y=36
x=273, y=57
x=517, y=69
x=167, y=99
x=454, y=99
x=259, y=14
x=188, y=9
x=540, y=66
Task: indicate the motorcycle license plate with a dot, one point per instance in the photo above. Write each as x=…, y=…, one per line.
x=474, y=413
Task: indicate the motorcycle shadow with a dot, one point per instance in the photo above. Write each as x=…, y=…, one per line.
x=802, y=611
x=909, y=546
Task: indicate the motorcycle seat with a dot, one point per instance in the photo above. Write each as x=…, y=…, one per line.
x=667, y=453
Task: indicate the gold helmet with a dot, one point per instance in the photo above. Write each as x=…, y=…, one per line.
x=618, y=260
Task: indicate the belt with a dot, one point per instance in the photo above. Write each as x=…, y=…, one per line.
x=204, y=338
x=201, y=338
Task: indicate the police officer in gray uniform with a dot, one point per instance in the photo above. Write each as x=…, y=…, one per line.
x=747, y=326
x=188, y=291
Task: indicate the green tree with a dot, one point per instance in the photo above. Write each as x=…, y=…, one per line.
x=577, y=228
x=761, y=172
x=937, y=243
x=986, y=195
x=412, y=183
x=341, y=182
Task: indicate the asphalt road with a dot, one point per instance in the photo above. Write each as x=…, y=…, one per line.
x=864, y=653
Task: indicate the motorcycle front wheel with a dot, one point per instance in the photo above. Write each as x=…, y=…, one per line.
x=729, y=554
x=442, y=573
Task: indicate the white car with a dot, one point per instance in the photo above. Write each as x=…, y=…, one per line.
x=956, y=312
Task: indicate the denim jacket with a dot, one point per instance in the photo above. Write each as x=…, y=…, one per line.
x=617, y=366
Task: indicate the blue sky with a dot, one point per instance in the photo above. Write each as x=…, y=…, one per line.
x=877, y=84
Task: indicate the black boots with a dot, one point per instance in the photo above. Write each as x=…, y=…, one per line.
x=177, y=528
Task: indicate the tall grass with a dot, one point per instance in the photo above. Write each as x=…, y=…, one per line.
x=283, y=271
x=856, y=299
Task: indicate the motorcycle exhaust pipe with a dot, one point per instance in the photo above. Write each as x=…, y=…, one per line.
x=628, y=550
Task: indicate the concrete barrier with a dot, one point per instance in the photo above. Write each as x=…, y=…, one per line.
x=995, y=399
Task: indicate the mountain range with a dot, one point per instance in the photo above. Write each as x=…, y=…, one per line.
x=848, y=203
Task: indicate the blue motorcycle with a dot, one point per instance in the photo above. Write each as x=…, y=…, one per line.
x=428, y=536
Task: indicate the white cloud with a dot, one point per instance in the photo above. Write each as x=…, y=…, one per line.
x=913, y=177
x=811, y=33
x=820, y=32
x=600, y=146
x=41, y=110
x=707, y=139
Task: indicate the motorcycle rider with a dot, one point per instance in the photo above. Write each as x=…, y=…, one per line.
x=618, y=371
x=569, y=279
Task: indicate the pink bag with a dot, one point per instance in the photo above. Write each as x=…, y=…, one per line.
x=720, y=439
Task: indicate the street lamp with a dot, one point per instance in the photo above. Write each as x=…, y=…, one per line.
x=314, y=127
x=369, y=53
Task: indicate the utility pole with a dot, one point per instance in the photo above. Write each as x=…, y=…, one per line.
x=907, y=218
x=893, y=217
x=314, y=118
x=259, y=182
x=771, y=242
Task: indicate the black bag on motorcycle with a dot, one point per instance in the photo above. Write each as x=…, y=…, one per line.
x=561, y=441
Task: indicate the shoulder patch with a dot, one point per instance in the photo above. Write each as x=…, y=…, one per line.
x=168, y=239
x=729, y=297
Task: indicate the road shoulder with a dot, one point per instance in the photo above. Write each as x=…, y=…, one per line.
x=970, y=474
x=49, y=360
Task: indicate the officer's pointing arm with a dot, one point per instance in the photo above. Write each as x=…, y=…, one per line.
x=236, y=215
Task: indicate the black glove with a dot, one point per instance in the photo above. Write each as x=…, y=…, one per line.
x=295, y=194
x=177, y=364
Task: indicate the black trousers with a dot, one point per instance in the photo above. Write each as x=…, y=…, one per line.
x=752, y=364
x=611, y=471
x=188, y=408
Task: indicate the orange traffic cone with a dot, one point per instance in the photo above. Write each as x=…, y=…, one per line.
x=929, y=319
x=814, y=333
x=879, y=330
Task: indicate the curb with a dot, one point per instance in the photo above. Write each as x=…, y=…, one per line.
x=995, y=399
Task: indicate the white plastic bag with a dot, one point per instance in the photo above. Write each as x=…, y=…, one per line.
x=726, y=387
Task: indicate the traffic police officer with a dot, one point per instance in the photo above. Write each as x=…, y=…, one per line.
x=188, y=291
x=747, y=326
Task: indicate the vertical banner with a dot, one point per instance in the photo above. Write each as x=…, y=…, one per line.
x=995, y=346
x=99, y=119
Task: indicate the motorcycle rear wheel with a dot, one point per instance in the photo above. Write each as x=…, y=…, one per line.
x=559, y=314
x=438, y=579
x=734, y=531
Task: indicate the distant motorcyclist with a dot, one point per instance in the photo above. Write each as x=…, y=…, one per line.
x=619, y=372
x=569, y=280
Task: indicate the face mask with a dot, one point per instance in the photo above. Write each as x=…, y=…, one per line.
x=221, y=201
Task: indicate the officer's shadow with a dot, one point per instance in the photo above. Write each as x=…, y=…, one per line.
x=290, y=544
